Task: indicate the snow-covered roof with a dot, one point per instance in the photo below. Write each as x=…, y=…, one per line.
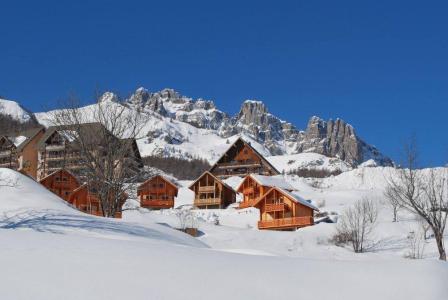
x=272, y=181
x=19, y=140
x=295, y=196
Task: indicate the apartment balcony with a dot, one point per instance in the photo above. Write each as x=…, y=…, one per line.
x=286, y=223
x=54, y=158
x=54, y=147
x=207, y=201
x=271, y=207
x=206, y=189
x=157, y=203
x=5, y=153
x=13, y=165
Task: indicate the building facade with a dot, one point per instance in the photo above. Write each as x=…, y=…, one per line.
x=211, y=192
x=157, y=192
x=242, y=159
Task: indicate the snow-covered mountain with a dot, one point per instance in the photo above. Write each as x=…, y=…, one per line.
x=15, y=111
x=330, y=138
x=179, y=126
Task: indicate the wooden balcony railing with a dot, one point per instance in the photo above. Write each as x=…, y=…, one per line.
x=157, y=203
x=247, y=203
x=286, y=223
x=207, y=201
x=275, y=207
x=248, y=190
x=239, y=164
x=207, y=189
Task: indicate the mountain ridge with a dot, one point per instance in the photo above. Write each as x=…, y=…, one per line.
x=332, y=138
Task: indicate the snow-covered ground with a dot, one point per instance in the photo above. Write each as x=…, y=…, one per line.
x=51, y=251
x=315, y=161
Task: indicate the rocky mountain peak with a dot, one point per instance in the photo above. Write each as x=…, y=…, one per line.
x=108, y=97
x=336, y=138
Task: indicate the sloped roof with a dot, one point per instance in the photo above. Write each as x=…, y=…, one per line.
x=57, y=171
x=269, y=181
x=164, y=178
x=216, y=178
x=87, y=127
x=291, y=195
x=240, y=139
x=21, y=138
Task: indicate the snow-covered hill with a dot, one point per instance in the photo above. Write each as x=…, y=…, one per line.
x=14, y=110
x=54, y=250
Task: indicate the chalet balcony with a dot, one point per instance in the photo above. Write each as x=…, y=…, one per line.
x=207, y=189
x=239, y=164
x=248, y=190
x=247, y=203
x=286, y=223
x=271, y=207
x=157, y=203
x=207, y=201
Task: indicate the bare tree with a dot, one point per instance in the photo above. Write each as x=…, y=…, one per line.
x=424, y=193
x=393, y=203
x=357, y=223
x=107, y=151
x=417, y=244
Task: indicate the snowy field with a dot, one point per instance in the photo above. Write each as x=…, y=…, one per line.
x=51, y=251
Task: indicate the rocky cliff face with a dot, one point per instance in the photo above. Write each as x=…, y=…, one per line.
x=331, y=138
x=336, y=138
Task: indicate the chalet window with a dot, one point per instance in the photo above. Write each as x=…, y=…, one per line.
x=64, y=179
x=161, y=185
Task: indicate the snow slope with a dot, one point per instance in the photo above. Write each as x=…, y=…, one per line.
x=69, y=255
x=14, y=110
x=308, y=160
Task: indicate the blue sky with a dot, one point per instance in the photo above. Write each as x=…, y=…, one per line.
x=380, y=65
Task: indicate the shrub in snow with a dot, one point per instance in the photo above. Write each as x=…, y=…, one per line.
x=186, y=218
x=321, y=203
x=357, y=224
x=416, y=242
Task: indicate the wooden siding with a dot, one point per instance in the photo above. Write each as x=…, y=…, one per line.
x=210, y=192
x=62, y=183
x=240, y=160
x=157, y=193
x=251, y=191
x=279, y=212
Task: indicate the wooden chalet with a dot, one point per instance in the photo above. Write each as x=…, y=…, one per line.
x=283, y=210
x=59, y=148
x=86, y=200
x=242, y=159
x=62, y=183
x=18, y=151
x=157, y=192
x=211, y=192
x=254, y=186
